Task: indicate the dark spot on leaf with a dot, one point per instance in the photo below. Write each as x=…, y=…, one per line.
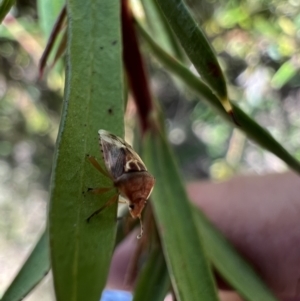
x=114, y=42
x=110, y=111
x=233, y=117
x=101, y=48
x=214, y=69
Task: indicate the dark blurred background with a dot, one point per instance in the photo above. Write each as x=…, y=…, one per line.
x=258, y=47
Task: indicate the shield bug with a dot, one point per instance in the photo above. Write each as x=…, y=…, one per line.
x=128, y=173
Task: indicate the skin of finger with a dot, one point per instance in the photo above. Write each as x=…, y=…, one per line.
x=260, y=216
x=223, y=296
x=119, y=267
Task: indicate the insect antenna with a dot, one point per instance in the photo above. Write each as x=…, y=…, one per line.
x=142, y=228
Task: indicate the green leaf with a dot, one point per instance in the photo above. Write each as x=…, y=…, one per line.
x=182, y=247
x=153, y=282
x=285, y=73
x=161, y=29
x=230, y=264
x=182, y=72
x=81, y=251
x=196, y=46
x=252, y=129
x=32, y=272
x=5, y=6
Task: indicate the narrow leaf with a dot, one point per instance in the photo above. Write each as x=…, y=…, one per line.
x=181, y=72
x=153, y=282
x=230, y=264
x=183, y=251
x=161, y=30
x=81, y=251
x=5, y=6
x=134, y=64
x=285, y=73
x=32, y=272
x=251, y=128
x=196, y=46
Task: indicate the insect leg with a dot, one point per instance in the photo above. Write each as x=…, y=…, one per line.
x=142, y=228
x=107, y=204
x=95, y=163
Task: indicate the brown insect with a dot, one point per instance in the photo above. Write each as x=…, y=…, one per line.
x=128, y=173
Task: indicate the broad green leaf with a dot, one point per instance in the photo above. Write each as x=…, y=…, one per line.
x=153, y=282
x=252, y=129
x=32, y=272
x=48, y=10
x=5, y=6
x=188, y=267
x=196, y=46
x=229, y=263
x=81, y=251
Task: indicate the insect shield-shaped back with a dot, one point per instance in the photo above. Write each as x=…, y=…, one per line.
x=128, y=172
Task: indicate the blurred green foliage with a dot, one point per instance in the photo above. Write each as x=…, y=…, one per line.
x=257, y=43
x=29, y=118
